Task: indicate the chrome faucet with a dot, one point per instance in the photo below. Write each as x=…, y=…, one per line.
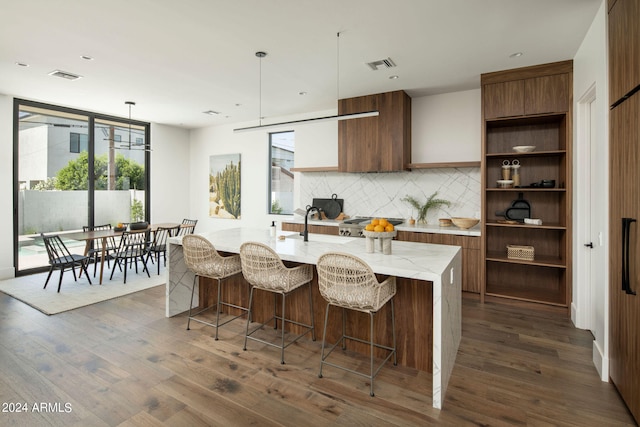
x=305, y=233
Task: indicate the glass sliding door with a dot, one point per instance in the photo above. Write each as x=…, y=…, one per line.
x=52, y=180
x=73, y=169
x=120, y=178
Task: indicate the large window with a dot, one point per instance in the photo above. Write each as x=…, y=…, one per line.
x=281, y=149
x=74, y=168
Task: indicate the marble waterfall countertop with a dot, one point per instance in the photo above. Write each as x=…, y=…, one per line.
x=418, y=228
x=439, y=264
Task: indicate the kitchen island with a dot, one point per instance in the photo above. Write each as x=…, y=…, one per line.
x=428, y=299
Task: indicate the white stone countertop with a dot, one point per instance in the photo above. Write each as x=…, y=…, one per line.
x=421, y=261
x=418, y=228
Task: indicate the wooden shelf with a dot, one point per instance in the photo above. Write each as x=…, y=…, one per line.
x=539, y=261
x=316, y=169
x=444, y=165
x=526, y=190
x=521, y=225
x=529, y=154
x=529, y=295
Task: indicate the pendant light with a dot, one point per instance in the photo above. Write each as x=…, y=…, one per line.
x=261, y=55
x=127, y=145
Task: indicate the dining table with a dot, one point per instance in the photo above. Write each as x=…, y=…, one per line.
x=103, y=235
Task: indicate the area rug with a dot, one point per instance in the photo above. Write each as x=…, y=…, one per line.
x=28, y=289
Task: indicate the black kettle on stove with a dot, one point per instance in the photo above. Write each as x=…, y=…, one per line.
x=518, y=211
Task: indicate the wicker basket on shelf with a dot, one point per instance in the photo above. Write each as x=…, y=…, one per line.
x=520, y=252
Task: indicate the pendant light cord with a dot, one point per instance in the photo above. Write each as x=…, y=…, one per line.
x=260, y=55
x=338, y=66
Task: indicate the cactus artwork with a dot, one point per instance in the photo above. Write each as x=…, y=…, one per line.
x=224, y=186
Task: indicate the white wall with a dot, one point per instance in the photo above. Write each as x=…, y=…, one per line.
x=6, y=187
x=170, y=174
x=446, y=127
x=590, y=309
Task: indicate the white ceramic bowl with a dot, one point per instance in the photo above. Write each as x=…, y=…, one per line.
x=505, y=183
x=524, y=148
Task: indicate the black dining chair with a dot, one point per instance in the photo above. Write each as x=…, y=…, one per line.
x=132, y=248
x=188, y=226
x=95, y=252
x=61, y=259
x=158, y=246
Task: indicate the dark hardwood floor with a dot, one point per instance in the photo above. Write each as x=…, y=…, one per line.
x=121, y=362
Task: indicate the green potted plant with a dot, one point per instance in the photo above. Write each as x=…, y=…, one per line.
x=422, y=209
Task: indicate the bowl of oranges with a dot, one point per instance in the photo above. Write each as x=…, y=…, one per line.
x=379, y=227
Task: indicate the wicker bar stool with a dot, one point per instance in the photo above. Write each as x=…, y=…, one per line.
x=264, y=270
x=348, y=282
x=201, y=257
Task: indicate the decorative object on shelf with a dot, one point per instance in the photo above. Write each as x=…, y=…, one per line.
x=384, y=238
x=515, y=172
x=519, y=209
x=545, y=183
x=464, y=223
x=505, y=183
x=524, y=148
x=445, y=222
x=533, y=221
x=506, y=170
x=526, y=253
x=422, y=209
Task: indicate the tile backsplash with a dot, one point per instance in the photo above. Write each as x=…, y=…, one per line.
x=380, y=194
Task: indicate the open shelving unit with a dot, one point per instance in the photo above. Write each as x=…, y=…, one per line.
x=546, y=279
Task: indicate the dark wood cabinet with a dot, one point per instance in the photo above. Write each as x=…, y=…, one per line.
x=624, y=247
x=545, y=122
x=624, y=49
x=375, y=144
x=624, y=201
x=542, y=89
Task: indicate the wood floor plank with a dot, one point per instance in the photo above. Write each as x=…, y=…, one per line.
x=121, y=362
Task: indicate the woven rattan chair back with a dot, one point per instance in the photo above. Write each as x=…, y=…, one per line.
x=347, y=281
x=203, y=259
x=263, y=268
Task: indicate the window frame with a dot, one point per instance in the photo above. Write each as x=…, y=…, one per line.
x=270, y=172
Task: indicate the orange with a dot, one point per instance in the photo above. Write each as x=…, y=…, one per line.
x=383, y=222
x=375, y=221
x=369, y=227
x=378, y=228
x=389, y=227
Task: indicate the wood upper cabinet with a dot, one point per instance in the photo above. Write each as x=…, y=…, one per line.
x=624, y=49
x=542, y=89
x=375, y=144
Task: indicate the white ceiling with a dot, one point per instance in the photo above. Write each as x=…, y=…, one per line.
x=176, y=59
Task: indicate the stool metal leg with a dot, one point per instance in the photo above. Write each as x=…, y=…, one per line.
x=193, y=288
x=246, y=334
x=218, y=309
x=313, y=326
x=393, y=332
x=371, y=352
x=284, y=300
x=324, y=338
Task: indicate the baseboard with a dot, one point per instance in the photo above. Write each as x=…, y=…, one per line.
x=601, y=362
x=7, y=273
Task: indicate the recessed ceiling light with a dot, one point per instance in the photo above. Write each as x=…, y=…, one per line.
x=211, y=112
x=516, y=55
x=21, y=64
x=86, y=57
x=238, y=105
x=302, y=93
x=394, y=77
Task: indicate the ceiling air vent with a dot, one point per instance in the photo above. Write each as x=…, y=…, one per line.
x=65, y=75
x=382, y=63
